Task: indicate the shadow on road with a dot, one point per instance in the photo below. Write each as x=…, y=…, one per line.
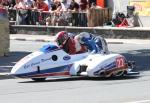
x=141, y=58
x=7, y=62
x=82, y=78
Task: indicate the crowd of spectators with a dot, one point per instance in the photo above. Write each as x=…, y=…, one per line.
x=49, y=12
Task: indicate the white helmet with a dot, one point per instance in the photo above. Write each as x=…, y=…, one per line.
x=82, y=35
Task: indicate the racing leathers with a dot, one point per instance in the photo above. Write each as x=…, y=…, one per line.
x=101, y=44
x=93, y=43
x=70, y=46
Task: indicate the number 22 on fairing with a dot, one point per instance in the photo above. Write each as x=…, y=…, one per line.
x=120, y=62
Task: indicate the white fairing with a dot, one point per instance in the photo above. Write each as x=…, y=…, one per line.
x=58, y=62
x=44, y=61
x=94, y=63
x=26, y=62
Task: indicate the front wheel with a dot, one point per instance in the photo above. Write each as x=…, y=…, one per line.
x=38, y=79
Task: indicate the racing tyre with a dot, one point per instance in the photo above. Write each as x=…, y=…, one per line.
x=39, y=79
x=121, y=73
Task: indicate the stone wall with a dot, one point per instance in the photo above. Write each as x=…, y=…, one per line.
x=4, y=35
x=107, y=32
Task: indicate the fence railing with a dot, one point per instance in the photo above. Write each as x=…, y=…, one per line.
x=94, y=17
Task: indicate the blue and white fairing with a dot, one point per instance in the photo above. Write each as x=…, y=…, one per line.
x=48, y=61
x=53, y=61
x=100, y=65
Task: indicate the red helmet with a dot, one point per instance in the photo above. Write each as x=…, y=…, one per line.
x=61, y=37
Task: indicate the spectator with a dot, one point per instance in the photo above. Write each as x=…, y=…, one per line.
x=12, y=3
x=65, y=5
x=93, y=5
x=82, y=15
x=91, y=2
x=20, y=4
x=29, y=4
x=16, y=3
x=83, y=5
x=74, y=6
x=41, y=5
x=58, y=16
x=53, y=6
x=22, y=14
x=5, y=2
x=1, y=4
x=2, y=7
x=51, y=20
x=48, y=2
x=56, y=6
x=3, y=11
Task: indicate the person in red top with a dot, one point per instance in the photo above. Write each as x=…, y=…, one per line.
x=42, y=5
x=83, y=5
x=68, y=44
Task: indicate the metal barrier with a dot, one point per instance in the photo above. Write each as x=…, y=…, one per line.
x=79, y=19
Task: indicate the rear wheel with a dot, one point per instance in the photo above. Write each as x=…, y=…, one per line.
x=38, y=79
x=121, y=73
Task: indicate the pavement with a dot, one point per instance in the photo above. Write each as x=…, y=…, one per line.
x=48, y=38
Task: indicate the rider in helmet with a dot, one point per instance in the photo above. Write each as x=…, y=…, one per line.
x=67, y=43
x=101, y=44
x=86, y=39
x=96, y=44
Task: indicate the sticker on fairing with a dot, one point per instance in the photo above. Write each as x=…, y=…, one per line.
x=120, y=62
x=66, y=57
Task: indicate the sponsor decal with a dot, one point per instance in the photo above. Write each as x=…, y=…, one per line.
x=36, y=63
x=44, y=60
x=31, y=65
x=66, y=57
x=105, y=68
x=26, y=66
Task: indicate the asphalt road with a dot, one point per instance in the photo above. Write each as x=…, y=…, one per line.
x=81, y=90
x=78, y=90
